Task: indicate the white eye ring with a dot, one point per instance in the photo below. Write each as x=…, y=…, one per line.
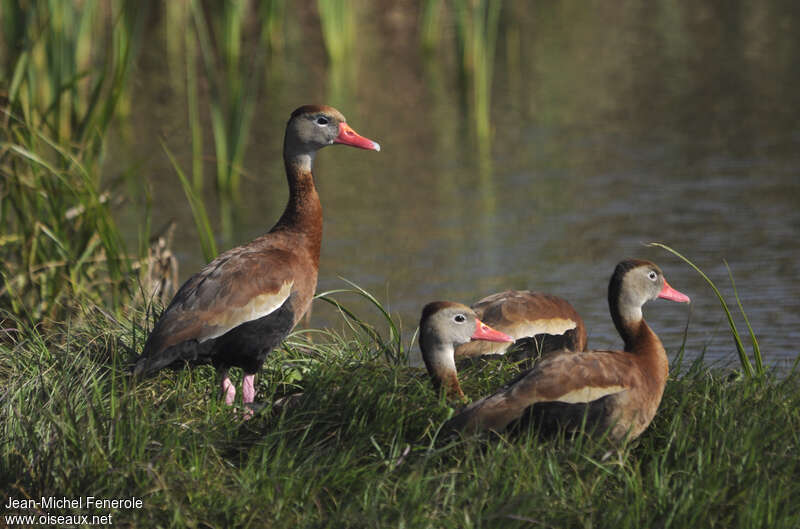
x=321, y=120
x=459, y=318
x=652, y=276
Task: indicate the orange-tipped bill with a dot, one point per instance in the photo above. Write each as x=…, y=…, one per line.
x=484, y=332
x=348, y=136
x=667, y=292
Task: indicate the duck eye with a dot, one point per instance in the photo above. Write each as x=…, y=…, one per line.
x=652, y=275
x=322, y=120
x=459, y=318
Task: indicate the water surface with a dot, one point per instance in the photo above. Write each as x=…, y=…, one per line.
x=612, y=126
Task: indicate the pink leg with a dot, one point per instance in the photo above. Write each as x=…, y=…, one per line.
x=248, y=388
x=228, y=390
x=248, y=393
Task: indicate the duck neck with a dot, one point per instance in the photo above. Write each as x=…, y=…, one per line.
x=639, y=338
x=440, y=361
x=628, y=320
x=303, y=213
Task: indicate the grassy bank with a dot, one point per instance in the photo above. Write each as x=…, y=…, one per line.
x=362, y=449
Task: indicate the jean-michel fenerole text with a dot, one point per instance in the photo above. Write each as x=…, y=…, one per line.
x=82, y=502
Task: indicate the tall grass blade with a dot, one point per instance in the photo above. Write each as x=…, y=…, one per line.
x=756, y=349
x=193, y=109
x=339, y=22
x=66, y=243
x=743, y=359
x=393, y=347
x=273, y=19
x=233, y=87
x=677, y=362
x=203, y=225
x=350, y=315
x=394, y=332
x=430, y=20
x=477, y=23
x=336, y=18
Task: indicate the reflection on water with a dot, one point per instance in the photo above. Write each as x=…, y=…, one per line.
x=611, y=127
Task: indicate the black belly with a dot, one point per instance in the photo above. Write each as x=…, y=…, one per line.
x=550, y=418
x=245, y=346
x=542, y=344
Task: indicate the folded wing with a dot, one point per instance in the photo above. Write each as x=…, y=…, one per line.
x=570, y=378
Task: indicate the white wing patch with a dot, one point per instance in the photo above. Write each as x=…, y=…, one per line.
x=529, y=329
x=544, y=326
x=588, y=394
x=256, y=308
x=495, y=348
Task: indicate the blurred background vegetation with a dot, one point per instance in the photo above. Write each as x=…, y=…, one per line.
x=68, y=75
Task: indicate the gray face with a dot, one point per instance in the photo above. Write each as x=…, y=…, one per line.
x=311, y=131
x=647, y=281
x=452, y=325
x=640, y=285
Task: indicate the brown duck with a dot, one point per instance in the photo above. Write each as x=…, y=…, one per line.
x=242, y=304
x=539, y=323
x=614, y=391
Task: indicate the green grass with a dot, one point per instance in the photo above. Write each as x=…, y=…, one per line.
x=362, y=447
x=232, y=78
x=66, y=71
x=67, y=65
x=59, y=240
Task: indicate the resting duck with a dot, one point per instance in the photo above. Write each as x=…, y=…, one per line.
x=539, y=323
x=241, y=305
x=442, y=327
x=616, y=391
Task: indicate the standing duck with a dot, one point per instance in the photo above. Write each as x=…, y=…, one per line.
x=539, y=323
x=241, y=305
x=615, y=391
x=443, y=326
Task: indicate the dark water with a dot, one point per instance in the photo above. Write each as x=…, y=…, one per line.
x=612, y=126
